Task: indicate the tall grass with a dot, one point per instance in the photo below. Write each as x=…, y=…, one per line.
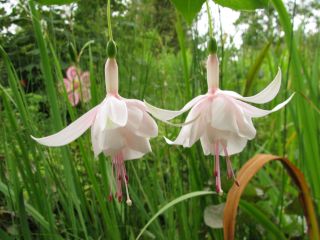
x=63, y=193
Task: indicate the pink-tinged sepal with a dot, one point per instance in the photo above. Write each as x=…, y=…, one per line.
x=165, y=115
x=266, y=95
x=71, y=132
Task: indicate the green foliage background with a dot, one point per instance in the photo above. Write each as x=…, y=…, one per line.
x=50, y=193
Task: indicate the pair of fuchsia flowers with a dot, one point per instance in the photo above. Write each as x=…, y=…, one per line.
x=121, y=128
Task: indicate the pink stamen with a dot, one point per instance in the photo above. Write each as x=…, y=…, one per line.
x=121, y=177
x=230, y=171
x=217, y=169
x=110, y=197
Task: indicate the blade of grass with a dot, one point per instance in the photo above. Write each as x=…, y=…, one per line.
x=31, y=210
x=183, y=49
x=260, y=217
x=255, y=68
x=306, y=119
x=23, y=217
x=30, y=177
x=16, y=88
x=171, y=204
x=69, y=170
x=93, y=88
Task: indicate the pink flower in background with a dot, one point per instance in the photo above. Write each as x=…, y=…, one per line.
x=77, y=85
x=222, y=120
x=120, y=128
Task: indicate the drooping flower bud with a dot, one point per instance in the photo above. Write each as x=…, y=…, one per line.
x=111, y=49
x=212, y=46
x=111, y=76
x=213, y=71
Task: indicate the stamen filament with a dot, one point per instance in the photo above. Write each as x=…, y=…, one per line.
x=230, y=171
x=217, y=166
x=120, y=174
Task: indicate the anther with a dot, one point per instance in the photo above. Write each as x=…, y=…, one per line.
x=129, y=202
x=110, y=197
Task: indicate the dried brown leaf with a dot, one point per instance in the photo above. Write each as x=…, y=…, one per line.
x=244, y=176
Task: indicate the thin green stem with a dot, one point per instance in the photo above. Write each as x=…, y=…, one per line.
x=209, y=19
x=109, y=21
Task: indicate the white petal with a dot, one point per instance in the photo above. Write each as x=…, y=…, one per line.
x=134, y=102
x=139, y=120
x=266, y=95
x=113, y=113
x=129, y=154
x=244, y=122
x=257, y=112
x=182, y=139
x=191, y=133
x=135, y=116
x=206, y=145
x=197, y=129
x=235, y=144
x=113, y=139
x=166, y=115
x=95, y=146
x=137, y=143
x=148, y=127
x=71, y=132
x=94, y=139
x=233, y=141
x=224, y=114
x=246, y=127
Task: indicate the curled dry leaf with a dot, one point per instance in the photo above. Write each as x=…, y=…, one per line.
x=247, y=172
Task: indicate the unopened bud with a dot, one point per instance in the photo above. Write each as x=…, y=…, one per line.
x=212, y=45
x=111, y=49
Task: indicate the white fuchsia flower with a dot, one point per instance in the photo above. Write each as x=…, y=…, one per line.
x=77, y=85
x=120, y=128
x=222, y=120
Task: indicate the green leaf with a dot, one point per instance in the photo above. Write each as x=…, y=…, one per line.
x=23, y=217
x=30, y=210
x=55, y=2
x=188, y=8
x=255, y=68
x=260, y=217
x=171, y=204
x=242, y=4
